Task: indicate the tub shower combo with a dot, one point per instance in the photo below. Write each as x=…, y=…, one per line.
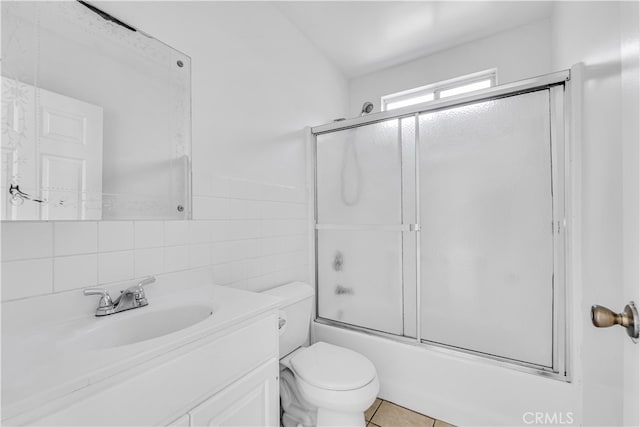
x=443, y=224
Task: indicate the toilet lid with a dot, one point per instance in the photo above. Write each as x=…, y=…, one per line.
x=331, y=367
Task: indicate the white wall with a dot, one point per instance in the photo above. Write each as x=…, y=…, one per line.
x=517, y=54
x=256, y=83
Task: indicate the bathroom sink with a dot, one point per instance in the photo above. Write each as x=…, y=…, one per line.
x=137, y=325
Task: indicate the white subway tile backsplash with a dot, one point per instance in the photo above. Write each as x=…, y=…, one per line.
x=148, y=262
x=75, y=237
x=220, y=253
x=200, y=232
x=115, y=266
x=253, y=228
x=176, y=258
x=221, y=274
x=115, y=236
x=251, y=235
x=26, y=240
x=27, y=278
x=237, y=271
x=220, y=231
x=238, y=249
x=148, y=234
x=199, y=255
x=176, y=233
x=254, y=248
x=203, y=208
x=73, y=272
x=253, y=267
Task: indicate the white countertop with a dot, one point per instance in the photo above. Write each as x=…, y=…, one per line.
x=39, y=365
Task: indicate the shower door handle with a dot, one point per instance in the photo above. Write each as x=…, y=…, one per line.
x=602, y=317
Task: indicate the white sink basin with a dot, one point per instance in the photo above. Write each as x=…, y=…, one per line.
x=138, y=325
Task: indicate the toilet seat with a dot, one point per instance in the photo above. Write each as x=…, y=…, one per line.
x=329, y=367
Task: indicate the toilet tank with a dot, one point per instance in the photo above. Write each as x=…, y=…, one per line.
x=295, y=314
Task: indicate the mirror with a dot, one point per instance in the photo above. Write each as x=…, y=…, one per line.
x=96, y=117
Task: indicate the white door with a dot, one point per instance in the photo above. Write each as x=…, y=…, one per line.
x=70, y=157
x=630, y=80
x=52, y=149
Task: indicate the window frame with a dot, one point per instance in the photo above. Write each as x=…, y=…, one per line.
x=435, y=89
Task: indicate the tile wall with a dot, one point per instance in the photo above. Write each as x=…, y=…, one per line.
x=254, y=240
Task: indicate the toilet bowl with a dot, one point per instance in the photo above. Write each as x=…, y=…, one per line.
x=340, y=383
x=323, y=384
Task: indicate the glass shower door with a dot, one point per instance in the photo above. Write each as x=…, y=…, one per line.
x=487, y=224
x=359, y=230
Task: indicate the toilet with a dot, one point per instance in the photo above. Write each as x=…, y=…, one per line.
x=323, y=384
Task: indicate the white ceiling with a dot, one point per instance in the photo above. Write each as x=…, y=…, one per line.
x=364, y=36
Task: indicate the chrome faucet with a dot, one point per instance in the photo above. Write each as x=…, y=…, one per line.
x=132, y=297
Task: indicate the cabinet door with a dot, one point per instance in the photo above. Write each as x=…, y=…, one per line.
x=251, y=401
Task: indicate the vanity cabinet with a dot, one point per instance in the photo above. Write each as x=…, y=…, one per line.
x=227, y=378
x=251, y=401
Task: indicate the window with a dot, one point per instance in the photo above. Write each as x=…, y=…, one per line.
x=457, y=86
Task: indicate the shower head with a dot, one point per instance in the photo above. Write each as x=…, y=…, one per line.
x=367, y=107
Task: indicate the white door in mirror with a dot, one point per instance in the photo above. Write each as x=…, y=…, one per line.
x=59, y=161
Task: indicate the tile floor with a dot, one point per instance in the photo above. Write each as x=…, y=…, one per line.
x=383, y=413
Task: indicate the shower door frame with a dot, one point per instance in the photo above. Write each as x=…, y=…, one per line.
x=559, y=86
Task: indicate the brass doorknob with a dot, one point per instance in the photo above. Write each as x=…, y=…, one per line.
x=602, y=317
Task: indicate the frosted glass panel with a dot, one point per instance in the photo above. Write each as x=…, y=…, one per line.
x=359, y=175
x=486, y=216
x=360, y=278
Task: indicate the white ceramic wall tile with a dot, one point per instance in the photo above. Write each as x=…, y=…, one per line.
x=27, y=278
x=176, y=233
x=25, y=240
x=253, y=228
x=75, y=237
x=72, y=272
x=220, y=231
x=114, y=266
x=221, y=274
x=254, y=248
x=203, y=208
x=238, y=249
x=257, y=284
x=200, y=232
x=148, y=234
x=253, y=267
x=199, y=255
x=148, y=262
x=239, y=284
x=237, y=271
x=176, y=258
x=220, y=186
x=115, y=236
x=220, y=253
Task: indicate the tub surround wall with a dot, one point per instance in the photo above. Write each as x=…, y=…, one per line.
x=256, y=83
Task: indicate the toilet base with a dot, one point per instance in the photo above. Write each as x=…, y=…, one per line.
x=296, y=411
x=327, y=418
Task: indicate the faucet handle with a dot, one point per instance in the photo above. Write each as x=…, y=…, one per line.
x=105, y=305
x=146, y=281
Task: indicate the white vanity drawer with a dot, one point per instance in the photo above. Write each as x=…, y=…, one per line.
x=157, y=393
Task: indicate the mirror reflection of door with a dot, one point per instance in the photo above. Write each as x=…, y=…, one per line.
x=55, y=152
